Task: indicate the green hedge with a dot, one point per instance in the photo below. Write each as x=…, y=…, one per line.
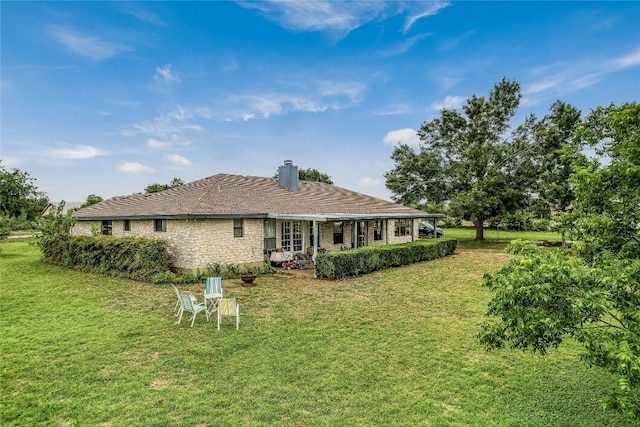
x=340, y=265
x=135, y=258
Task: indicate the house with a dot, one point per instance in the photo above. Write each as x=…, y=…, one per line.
x=53, y=206
x=234, y=219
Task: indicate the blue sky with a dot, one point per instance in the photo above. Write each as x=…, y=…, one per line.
x=108, y=97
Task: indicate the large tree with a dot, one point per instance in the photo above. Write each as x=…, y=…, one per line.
x=19, y=196
x=558, y=151
x=155, y=188
x=469, y=158
x=539, y=298
x=311, y=174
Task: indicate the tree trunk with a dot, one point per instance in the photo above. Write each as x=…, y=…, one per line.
x=479, y=231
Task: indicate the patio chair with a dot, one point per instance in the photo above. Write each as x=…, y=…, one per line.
x=189, y=304
x=228, y=307
x=212, y=293
x=176, y=309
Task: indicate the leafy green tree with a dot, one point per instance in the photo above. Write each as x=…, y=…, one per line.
x=92, y=199
x=558, y=151
x=155, y=188
x=540, y=298
x=469, y=159
x=19, y=196
x=54, y=233
x=311, y=174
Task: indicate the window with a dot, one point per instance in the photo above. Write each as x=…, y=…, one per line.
x=160, y=225
x=126, y=225
x=107, y=228
x=403, y=227
x=297, y=236
x=269, y=235
x=286, y=236
x=338, y=233
x=237, y=227
x=378, y=226
x=292, y=236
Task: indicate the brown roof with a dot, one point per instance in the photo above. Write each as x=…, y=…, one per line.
x=226, y=195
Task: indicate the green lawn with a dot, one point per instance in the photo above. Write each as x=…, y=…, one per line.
x=394, y=348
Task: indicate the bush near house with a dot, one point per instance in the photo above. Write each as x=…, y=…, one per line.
x=340, y=265
x=134, y=258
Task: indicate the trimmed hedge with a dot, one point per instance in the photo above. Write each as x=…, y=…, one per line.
x=134, y=258
x=340, y=265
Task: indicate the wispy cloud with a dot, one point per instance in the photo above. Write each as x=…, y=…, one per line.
x=154, y=143
x=430, y=8
x=165, y=75
x=174, y=122
x=178, y=160
x=77, y=152
x=141, y=13
x=367, y=181
x=567, y=77
x=394, y=110
x=134, y=167
x=455, y=42
x=449, y=102
x=404, y=46
x=402, y=136
x=341, y=17
x=319, y=96
x=84, y=45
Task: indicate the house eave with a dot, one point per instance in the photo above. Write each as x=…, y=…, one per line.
x=292, y=217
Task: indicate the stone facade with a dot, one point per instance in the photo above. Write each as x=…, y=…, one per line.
x=196, y=243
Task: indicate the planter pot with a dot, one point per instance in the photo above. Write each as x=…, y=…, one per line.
x=248, y=279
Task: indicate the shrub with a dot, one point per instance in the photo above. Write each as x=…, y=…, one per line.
x=339, y=265
x=135, y=258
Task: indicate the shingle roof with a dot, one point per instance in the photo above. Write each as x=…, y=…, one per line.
x=236, y=195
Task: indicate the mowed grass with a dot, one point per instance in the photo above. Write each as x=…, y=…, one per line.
x=394, y=348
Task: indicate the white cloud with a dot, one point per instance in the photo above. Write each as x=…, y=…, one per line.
x=404, y=46
x=567, y=77
x=78, y=152
x=84, y=45
x=369, y=182
x=431, y=8
x=134, y=167
x=340, y=17
x=154, y=143
x=178, y=160
x=450, y=103
x=165, y=75
x=142, y=14
x=402, y=136
x=174, y=122
x=629, y=60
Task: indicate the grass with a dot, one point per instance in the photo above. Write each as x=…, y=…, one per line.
x=393, y=348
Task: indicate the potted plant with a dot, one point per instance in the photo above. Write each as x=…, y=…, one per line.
x=248, y=278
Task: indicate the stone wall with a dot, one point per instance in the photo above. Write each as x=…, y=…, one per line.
x=196, y=243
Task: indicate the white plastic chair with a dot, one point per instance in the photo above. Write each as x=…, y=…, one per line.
x=212, y=293
x=228, y=307
x=189, y=304
x=177, y=309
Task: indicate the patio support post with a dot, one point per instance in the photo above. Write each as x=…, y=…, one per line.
x=413, y=233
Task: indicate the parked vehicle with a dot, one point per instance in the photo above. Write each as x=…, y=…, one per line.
x=425, y=230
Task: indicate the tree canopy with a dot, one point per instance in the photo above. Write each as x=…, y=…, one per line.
x=92, y=199
x=468, y=159
x=539, y=298
x=19, y=196
x=155, y=188
x=311, y=174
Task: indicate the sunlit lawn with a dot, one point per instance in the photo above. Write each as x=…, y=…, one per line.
x=391, y=348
